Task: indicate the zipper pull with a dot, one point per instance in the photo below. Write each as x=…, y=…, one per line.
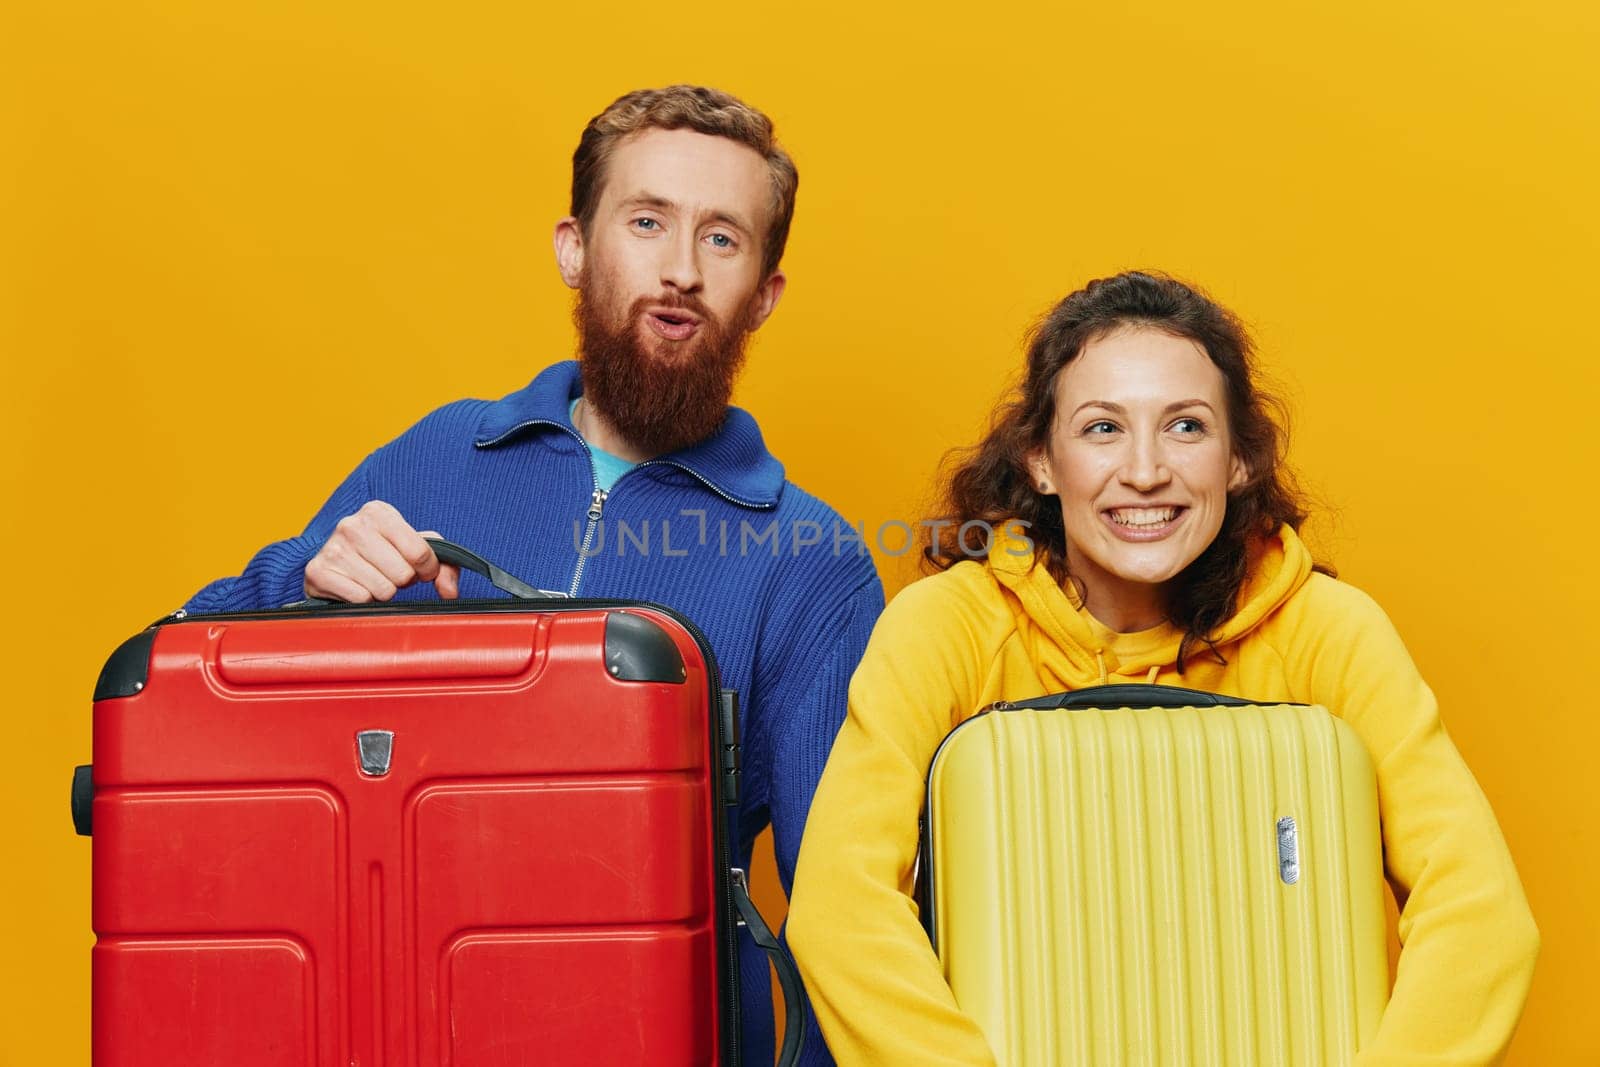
x=597, y=505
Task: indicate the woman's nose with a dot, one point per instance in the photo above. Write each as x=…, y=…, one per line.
x=1145, y=467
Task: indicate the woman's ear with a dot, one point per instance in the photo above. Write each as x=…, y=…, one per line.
x=1238, y=473
x=1038, y=466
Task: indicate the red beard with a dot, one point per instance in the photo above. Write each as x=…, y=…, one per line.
x=660, y=395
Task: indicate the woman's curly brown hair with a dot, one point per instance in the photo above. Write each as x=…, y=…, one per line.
x=990, y=483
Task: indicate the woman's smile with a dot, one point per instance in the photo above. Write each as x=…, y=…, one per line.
x=1144, y=522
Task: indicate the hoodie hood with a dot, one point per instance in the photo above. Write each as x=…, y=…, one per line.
x=1074, y=651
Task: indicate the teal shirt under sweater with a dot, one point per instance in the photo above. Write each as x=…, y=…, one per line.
x=607, y=468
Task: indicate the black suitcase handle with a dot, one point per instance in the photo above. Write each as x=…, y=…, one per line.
x=465, y=558
x=1128, y=696
x=450, y=552
x=794, y=1021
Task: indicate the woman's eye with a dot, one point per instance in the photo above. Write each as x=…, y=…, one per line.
x=1100, y=427
x=1189, y=426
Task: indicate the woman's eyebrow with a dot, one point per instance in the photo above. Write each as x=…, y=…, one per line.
x=1118, y=409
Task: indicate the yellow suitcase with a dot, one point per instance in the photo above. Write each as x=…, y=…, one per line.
x=1132, y=875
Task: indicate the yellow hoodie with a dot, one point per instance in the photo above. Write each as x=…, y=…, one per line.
x=1004, y=629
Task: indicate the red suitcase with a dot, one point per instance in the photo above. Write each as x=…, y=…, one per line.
x=438, y=833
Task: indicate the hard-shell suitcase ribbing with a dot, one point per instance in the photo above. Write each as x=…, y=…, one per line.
x=471, y=834
x=1198, y=883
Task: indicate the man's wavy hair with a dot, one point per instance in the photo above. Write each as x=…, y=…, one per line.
x=678, y=107
x=990, y=481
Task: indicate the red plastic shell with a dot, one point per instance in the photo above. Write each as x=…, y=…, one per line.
x=531, y=882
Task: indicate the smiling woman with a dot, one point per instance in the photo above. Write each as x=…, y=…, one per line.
x=1139, y=393
x=1143, y=479
x=1145, y=465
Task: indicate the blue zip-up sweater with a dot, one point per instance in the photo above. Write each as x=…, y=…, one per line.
x=787, y=620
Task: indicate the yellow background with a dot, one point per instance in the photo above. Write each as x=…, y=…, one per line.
x=245, y=243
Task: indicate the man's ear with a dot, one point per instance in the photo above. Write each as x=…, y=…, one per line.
x=569, y=251
x=766, y=298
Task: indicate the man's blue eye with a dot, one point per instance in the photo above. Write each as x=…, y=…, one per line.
x=722, y=240
x=646, y=224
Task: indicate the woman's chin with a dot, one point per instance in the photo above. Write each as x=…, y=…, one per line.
x=1150, y=564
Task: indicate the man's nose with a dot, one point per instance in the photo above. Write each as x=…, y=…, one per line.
x=680, y=263
x=1145, y=466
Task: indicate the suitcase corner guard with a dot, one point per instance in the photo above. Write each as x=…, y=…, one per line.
x=638, y=649
x=127, y=669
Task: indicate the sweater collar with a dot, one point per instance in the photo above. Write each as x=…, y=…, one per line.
x=733, y=462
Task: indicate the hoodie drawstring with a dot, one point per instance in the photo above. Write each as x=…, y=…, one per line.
x=1105, y=678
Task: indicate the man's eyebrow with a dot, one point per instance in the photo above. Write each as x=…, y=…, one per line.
x=661, y=203
x=649, y=200
x=732, y=220
x=1118, y=409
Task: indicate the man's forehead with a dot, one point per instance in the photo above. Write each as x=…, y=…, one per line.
x=689, y=172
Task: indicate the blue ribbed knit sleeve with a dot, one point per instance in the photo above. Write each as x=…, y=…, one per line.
x=276, y=575
x=810, y=700
x=808, y=705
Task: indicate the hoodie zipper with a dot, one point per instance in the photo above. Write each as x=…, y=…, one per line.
x=597, y=501
x=597, y=507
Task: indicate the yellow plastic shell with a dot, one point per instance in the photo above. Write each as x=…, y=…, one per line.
x=1115, y=887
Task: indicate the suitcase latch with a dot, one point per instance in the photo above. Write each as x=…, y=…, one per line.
x=374, y=748
x=730, y=747
x=1288, y=850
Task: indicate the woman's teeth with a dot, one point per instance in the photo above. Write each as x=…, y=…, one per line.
x=1143, y=517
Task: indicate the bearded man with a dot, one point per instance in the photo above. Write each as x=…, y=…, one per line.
x=626, y=474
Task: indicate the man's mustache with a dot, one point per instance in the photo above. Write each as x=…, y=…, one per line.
x=677, y=301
